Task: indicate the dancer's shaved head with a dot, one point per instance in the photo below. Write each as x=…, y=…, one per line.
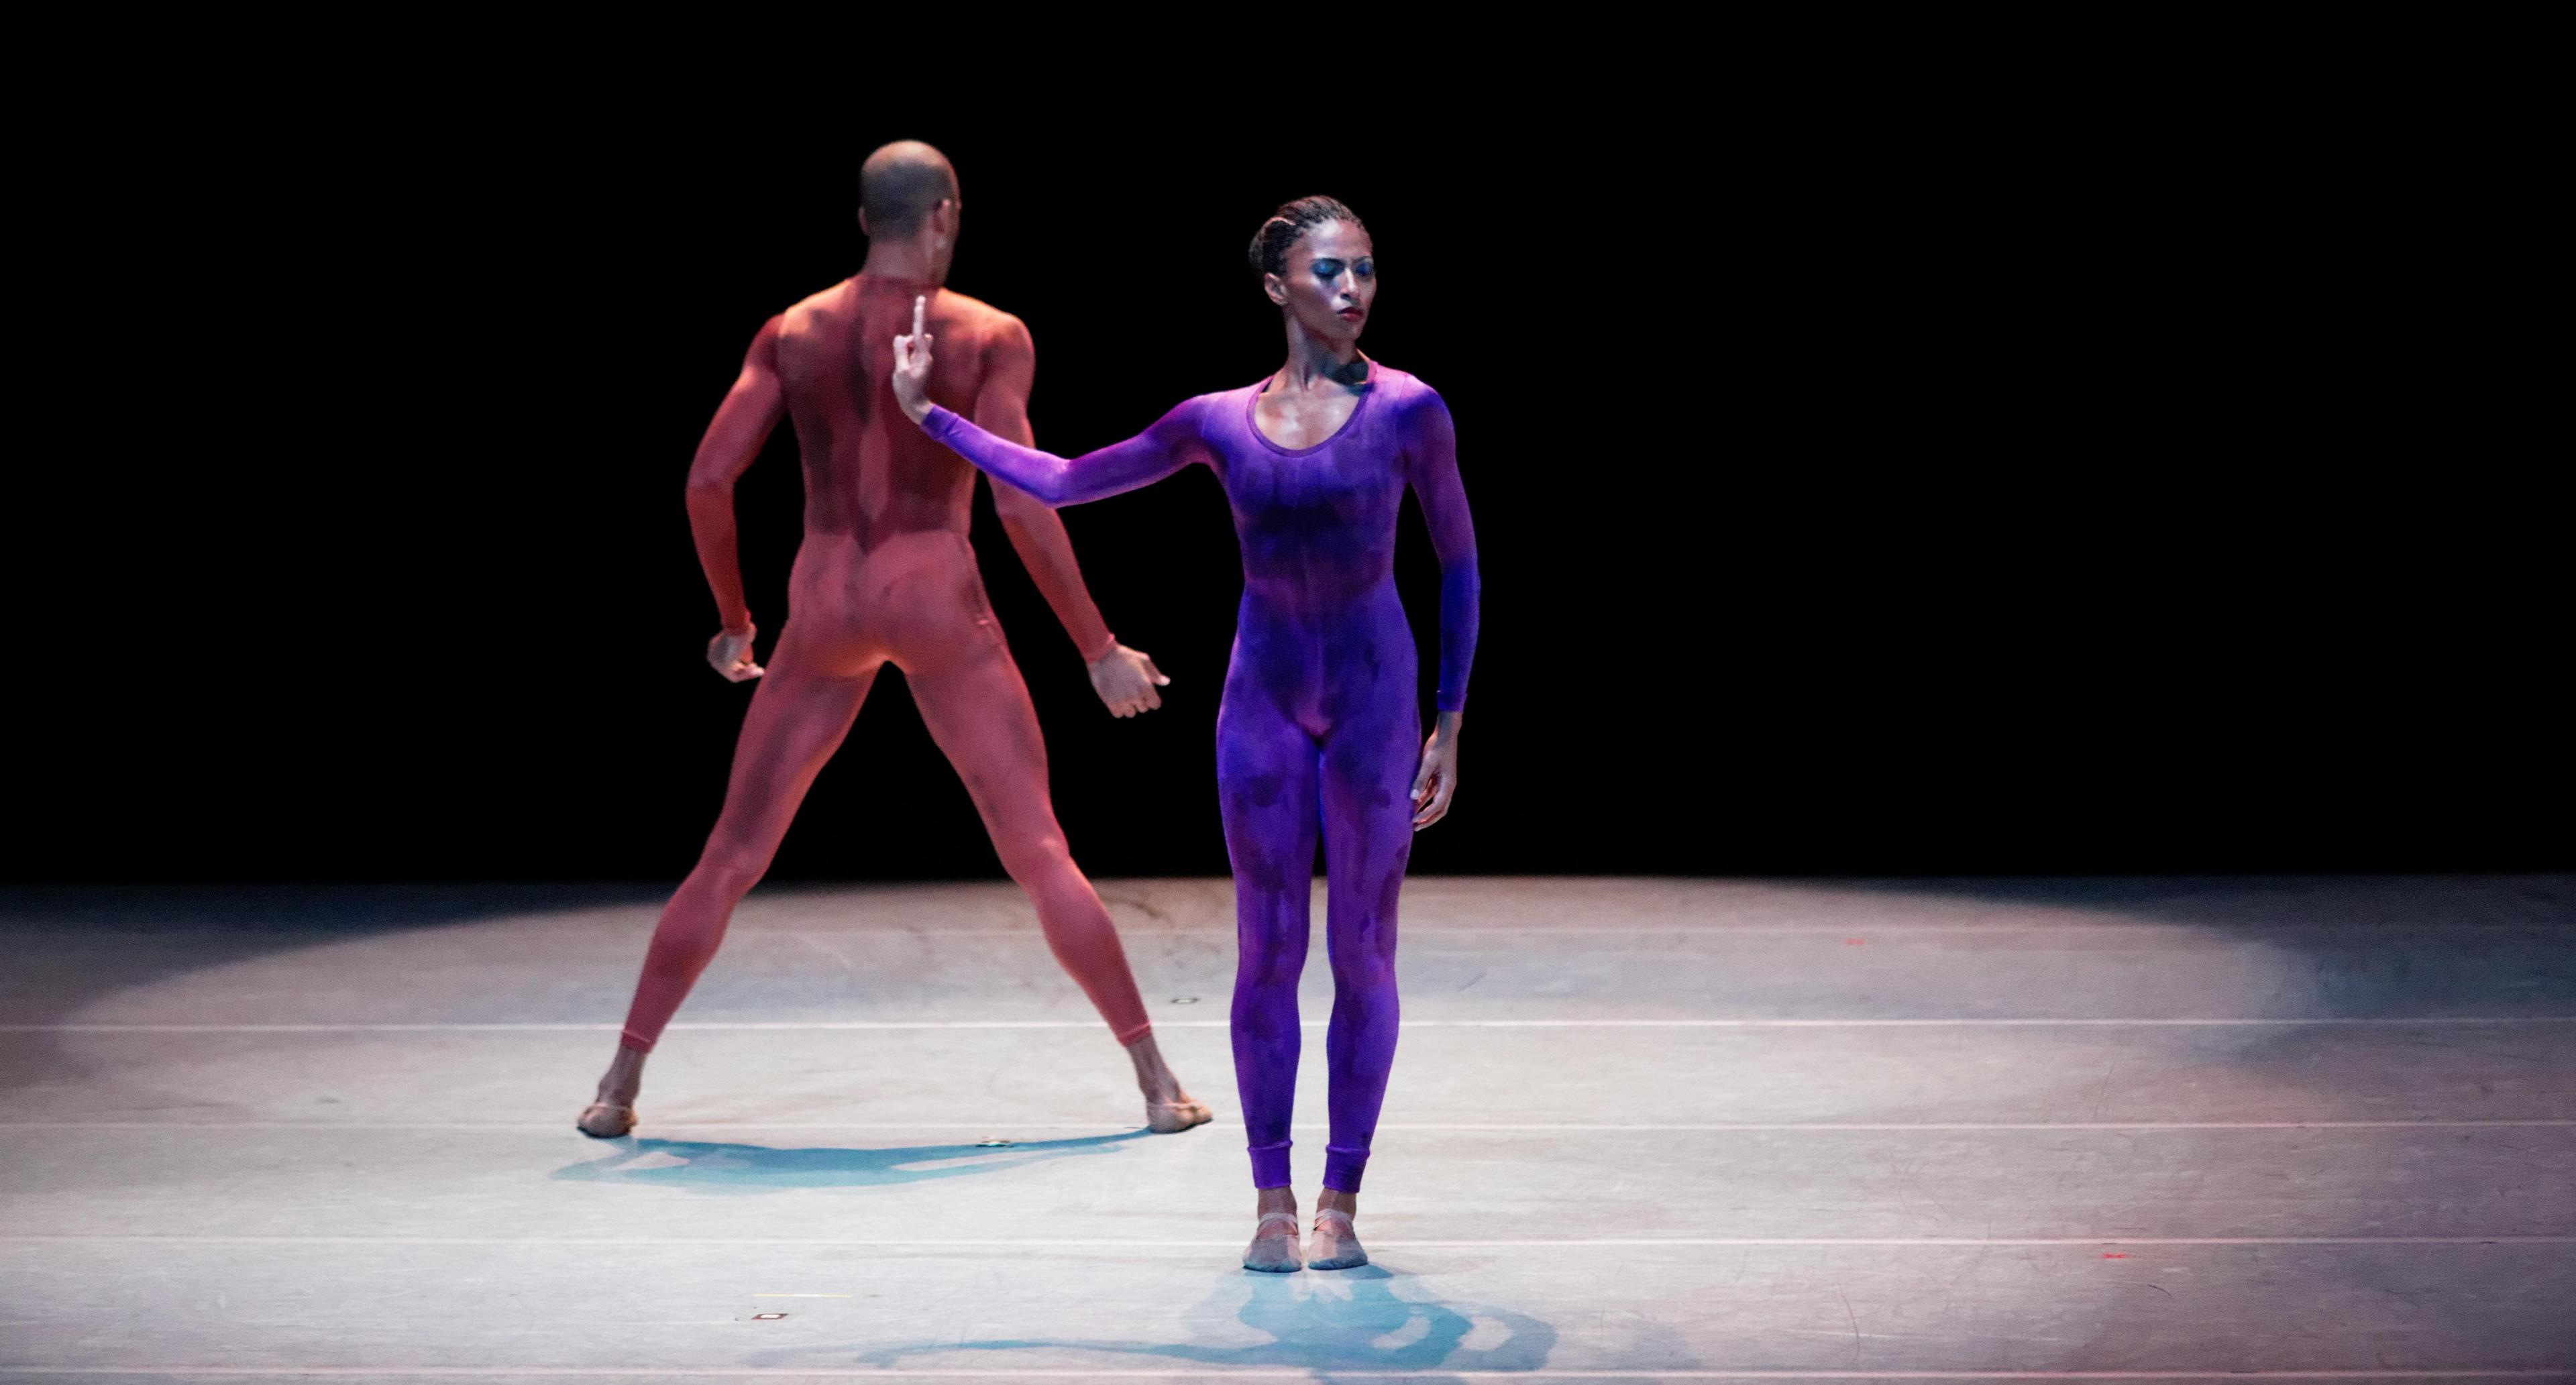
x=900, y=183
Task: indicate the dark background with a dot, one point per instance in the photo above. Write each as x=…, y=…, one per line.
x=1943, y=488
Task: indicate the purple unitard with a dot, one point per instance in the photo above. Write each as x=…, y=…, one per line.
x=1319, y=729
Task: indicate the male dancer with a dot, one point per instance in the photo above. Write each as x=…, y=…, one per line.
x=885, y=574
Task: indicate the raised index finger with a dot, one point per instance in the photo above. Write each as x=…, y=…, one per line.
x=917, y=302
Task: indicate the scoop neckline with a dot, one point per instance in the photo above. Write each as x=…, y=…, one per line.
x=1252, y=416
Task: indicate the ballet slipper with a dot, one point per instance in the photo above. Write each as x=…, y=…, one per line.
x=1343, y=1252
x=1274, y=1254
x=602, y=1120
x=1173, y=1117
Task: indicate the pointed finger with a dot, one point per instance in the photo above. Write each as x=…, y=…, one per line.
x=919, y=301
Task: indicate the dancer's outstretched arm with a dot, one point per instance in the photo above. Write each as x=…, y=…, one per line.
x=1172, y=443
x=1125, y=678
x=1431, y=460
x=742, y=423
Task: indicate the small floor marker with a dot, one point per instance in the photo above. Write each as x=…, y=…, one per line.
x=765, y=1317
x=1185, y=1000
x=995, y=1144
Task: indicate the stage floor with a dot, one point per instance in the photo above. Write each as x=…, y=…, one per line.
x=1637, y=1129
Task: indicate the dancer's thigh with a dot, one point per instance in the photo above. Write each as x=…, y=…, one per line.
x=794, y=724
x=1266, y=787
x=977, y=709
x=1367, y=794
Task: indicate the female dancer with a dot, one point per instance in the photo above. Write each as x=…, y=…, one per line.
x=1318, y=722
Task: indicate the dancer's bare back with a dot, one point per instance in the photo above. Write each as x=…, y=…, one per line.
x=871, y=476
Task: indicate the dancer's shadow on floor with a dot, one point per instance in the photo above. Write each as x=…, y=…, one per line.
x=1347, y=1320
x=710, y=1167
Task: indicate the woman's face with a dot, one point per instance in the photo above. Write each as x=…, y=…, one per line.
x=1331, y=280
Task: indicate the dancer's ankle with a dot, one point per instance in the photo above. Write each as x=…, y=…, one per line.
x=625, y=1076
x=1153, y=1076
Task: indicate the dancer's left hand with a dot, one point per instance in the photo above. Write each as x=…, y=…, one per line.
x=1437, y=780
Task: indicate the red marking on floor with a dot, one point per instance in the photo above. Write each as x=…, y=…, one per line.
x=1854, y=942
x=2115, y=1255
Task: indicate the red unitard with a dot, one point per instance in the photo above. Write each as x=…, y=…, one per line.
x=885, y=574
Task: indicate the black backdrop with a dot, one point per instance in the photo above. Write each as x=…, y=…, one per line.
x=1871, y=499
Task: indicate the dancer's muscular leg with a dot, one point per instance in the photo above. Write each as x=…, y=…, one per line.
x=794, y=724
x=1266, y=788
x=977, y=709
x=1368, y=838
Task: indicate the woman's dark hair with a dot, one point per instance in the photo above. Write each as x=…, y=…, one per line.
x=1293, y=219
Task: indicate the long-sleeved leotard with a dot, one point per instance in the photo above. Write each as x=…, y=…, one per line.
x=883, y=575
x=1318, y=727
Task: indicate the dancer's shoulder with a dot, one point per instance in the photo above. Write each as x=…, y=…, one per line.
x=966, y=310
x=1405, y=391
x=838, y=300
x=1200, y=408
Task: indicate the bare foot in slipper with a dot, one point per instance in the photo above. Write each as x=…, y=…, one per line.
x=1274, y=1236
x=1336, y=1245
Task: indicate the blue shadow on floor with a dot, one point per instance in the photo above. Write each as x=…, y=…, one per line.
x=1340, y=1320
x=705, y=1166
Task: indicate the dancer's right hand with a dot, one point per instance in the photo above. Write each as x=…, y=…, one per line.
x=730, y=653
x=1125, y=679
x=912, y=368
